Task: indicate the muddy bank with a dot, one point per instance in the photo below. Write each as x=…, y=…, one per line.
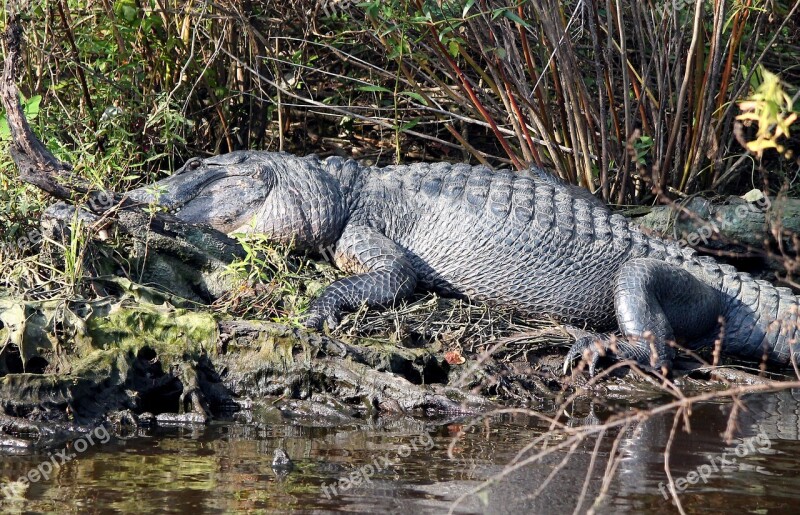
x=137, y=360
x=82, y=362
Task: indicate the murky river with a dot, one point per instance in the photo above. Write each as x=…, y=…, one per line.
x=407, y=465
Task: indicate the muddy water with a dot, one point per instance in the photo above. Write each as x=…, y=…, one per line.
x=402, y=465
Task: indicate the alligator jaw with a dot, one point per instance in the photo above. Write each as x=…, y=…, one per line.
x=174, y=192
x=224, y=196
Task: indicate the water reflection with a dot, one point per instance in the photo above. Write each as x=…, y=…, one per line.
x=227, y=466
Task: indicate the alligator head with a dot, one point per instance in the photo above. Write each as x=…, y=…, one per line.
x=291, y=200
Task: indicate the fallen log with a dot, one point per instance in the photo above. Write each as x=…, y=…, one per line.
x=757, y=234
x=735, y=224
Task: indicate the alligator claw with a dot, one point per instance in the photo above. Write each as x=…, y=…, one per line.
x=316, y=320
x=590, y=347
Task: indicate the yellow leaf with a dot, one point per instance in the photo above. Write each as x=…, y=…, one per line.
x=748, y=116
x=760, y=145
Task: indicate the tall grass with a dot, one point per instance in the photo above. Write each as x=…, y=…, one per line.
x=633, y=98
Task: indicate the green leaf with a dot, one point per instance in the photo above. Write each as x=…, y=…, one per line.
x=416, y=96
x=467, y=7
x=32, y=107
x=410, y=125
x=511, y=15
x=452, y=47
x=127, y=10
x=374, y=88
x=5, y=131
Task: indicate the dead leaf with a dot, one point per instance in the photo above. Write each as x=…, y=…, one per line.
x=454, y=357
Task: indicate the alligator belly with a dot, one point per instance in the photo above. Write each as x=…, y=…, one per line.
x=539, y=284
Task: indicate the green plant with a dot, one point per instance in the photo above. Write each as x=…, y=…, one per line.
x=271, y=283
x=74, y=252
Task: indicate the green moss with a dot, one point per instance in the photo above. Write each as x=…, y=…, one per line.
x=170, y=332
x=101, y=337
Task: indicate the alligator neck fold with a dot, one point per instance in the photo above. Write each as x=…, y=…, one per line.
x=350, y=175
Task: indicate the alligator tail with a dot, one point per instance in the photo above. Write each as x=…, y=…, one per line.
x=760, y=320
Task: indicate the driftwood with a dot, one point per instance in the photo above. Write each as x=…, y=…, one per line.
x=202, y=247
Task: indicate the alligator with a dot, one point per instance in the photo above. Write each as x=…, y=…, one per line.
x=517, y=239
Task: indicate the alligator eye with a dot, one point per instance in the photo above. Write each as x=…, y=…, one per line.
x=191, y=165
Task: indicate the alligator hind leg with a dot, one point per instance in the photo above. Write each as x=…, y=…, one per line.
x=656, y=303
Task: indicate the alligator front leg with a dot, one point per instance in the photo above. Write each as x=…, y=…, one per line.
x=384, y=276
x=656, y=304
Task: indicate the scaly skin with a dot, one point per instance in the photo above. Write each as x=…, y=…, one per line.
x=514, y=239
